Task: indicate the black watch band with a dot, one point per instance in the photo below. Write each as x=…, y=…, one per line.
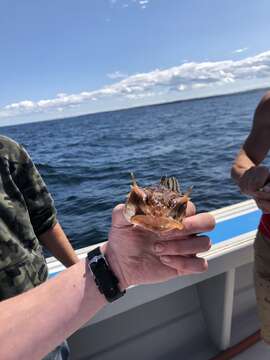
x=105, y=279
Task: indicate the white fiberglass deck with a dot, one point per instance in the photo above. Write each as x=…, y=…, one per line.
x=259, y=351
x=192, y=317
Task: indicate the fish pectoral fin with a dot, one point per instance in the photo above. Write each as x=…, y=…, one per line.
x=178, y=212
x=137, y=196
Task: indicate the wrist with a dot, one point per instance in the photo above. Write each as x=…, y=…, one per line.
x=104, y=276
x=114, y=265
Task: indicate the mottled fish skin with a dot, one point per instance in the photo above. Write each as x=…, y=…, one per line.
x=159, y=207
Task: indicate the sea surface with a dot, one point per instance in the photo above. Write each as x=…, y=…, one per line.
x=86, y=161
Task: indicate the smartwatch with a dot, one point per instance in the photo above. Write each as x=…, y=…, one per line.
x=105, y=279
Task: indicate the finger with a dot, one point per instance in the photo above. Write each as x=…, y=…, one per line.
x=198, y=223
x=118, y=217
x=257, y=177
x=263, y=205
x=262, y=195
x=191, y=209
x=192, y=225
x=266, y=188
x=195, y=224
x=192, y=245
x=255, y=183
x=185, y=265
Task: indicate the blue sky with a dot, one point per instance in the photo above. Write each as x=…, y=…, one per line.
x=65, y=57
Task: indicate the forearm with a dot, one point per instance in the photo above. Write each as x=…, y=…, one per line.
x=256, y=146
x=33, y=323
x=59, y=246
x=54, y=311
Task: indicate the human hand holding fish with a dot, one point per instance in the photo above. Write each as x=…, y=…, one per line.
x=255, y=182
x=143, y=253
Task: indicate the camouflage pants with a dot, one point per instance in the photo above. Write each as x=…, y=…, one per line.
x=23, y=276
x=262, y=282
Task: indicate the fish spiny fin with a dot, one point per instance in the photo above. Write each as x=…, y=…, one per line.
x=170, y=183
x=133, y=179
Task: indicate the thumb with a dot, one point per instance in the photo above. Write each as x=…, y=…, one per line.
x=118, y=217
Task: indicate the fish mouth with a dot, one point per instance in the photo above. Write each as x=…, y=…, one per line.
x=156, y=223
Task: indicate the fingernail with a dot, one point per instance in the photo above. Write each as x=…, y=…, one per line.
x=159, y=247
x=165, y=259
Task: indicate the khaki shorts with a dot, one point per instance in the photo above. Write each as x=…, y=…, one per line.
x=262, y=282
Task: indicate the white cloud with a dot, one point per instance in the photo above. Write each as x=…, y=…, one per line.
x=199, y=86
x=143, y=3
x=239, y=51
x=125, y=4
x=175, y=80
x=117, y=75
x=26, y=104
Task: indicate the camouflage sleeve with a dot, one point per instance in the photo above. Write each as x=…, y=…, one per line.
x=37, y=198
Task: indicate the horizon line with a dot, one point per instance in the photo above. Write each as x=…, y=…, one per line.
x=197, y=98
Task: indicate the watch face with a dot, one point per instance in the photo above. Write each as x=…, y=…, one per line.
x=105, y=279
x=95, y=259
x=98, y=263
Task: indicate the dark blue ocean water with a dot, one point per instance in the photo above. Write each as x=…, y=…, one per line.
x=86, y=161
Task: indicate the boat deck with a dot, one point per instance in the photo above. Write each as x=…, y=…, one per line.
x=259, y=351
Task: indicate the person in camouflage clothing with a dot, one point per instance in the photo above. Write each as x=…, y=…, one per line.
x=27, y=222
